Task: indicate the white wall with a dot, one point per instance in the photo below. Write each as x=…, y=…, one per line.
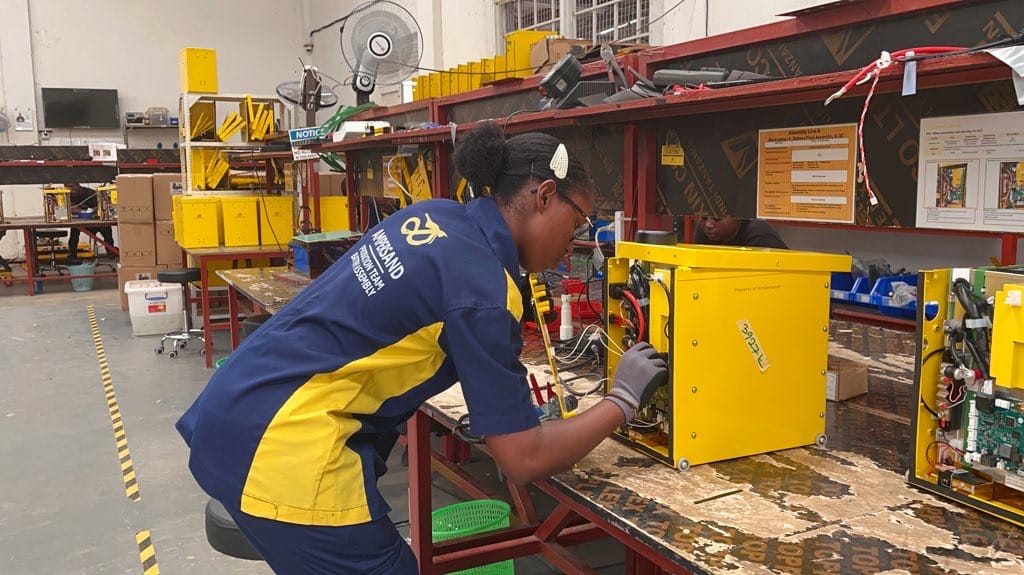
x=699, y=18
x=454, y=32
x=133, y=47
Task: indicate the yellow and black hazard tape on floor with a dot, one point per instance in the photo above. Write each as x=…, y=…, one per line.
x=131, y=484
x=147, y=554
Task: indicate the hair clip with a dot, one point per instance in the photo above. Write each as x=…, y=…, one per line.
x=560, y=162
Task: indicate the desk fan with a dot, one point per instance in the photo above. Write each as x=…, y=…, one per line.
x=382, y=43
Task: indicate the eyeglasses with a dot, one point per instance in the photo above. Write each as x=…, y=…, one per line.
x=582, y=230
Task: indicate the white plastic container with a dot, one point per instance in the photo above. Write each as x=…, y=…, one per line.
x=155, y=308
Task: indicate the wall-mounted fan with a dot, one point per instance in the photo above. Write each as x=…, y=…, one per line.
x=382, y=43
x=308, y=93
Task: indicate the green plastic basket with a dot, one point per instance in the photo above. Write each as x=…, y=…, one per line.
x=81, y=284
x=473, y=518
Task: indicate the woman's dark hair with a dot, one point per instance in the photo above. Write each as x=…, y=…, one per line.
x=485, y=158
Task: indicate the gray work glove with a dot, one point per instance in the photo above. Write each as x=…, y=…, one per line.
x=641, y=370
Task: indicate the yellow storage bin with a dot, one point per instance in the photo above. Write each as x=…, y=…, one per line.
x=435, y=85
x=198, y=70
x=334, y=213
x=197, y=221
x=517, y=50
x=463, y=74
x=276, y=220
x=239, y=219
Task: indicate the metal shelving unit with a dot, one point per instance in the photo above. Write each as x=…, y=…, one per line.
x=238, y=141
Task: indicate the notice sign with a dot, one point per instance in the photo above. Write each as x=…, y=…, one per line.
x=301, y=137
x=807, y=173
x=971, y=173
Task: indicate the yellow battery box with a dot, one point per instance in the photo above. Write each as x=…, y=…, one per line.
x=239, y=220
x=197, y=221
x=277, y=217
x=745, y=331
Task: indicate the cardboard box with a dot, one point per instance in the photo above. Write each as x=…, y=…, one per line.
x=137, y=244
x=127, y=273
x=135, y=198
x=167, y=250
x=545, y=53
x=164, y=186
x=845, y=379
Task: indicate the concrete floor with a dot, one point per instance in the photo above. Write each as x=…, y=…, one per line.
x=63, y=507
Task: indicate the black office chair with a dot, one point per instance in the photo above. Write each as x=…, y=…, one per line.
x=180, y=338
x=50, y=239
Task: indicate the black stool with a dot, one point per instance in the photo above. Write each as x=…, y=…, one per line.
x=49, y=239
x=224, y=536
x=180, y=338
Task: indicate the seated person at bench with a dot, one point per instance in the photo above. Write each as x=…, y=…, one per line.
x=82, y=199
x=736, y=232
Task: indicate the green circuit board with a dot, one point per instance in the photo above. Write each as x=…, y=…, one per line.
x=994, y=428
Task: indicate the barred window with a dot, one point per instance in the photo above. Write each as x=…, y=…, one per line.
x=596, y=20
x=613, y=20
x=530, y=15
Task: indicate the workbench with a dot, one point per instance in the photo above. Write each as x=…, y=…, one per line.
x=201, y=257
x=263, y=287
x=845, y=508
x=29, y=227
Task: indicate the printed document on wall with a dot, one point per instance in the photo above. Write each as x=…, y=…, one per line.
x=807, y=173
x=971, y=173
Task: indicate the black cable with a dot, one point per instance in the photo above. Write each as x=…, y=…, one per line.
x=978, y=357
x=1004, y=41
x=929, y=409
x=665, y=13
x=332, y=23
x=509, y=117
x=462, y=433
x=262, y=195
x=464, y=73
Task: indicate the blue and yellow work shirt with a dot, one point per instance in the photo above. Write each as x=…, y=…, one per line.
x=297, y=424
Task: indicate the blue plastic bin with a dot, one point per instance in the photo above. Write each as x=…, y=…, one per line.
x=881, y=296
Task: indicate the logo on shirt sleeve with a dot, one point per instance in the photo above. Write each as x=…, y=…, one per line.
x=418, y=233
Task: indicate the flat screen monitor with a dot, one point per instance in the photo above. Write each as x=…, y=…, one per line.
x=80, y=108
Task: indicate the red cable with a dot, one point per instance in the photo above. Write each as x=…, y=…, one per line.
x=639, y=313
x=872, y=199
x=893, y=57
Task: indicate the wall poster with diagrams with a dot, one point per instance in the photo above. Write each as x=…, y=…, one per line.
x=971, y=173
